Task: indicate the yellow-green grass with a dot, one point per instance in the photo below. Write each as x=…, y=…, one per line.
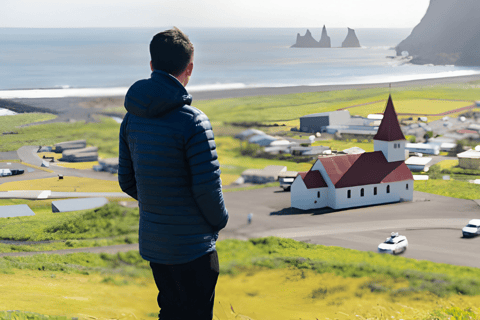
x=103, y=226
x=11, y=123
x=340, y=145
x=417, y=106
x=256, y=294
x=285, y=108
x=449, y=188
x=67, y=184
x=447, y=164
x=102, y=134
x=73, y=295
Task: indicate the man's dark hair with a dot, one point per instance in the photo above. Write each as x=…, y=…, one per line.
x=171, y=51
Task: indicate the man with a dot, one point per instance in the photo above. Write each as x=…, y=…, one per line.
x=168, y=162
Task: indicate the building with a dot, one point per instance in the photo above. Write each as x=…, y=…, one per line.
x=418, y=163
x=80, y=155
x=266, y=175
x=445, y=144
x=469, y=159
x=244, y=135
x=318, y=122
x=68, y=145
x=353, y=180
x=423, y=148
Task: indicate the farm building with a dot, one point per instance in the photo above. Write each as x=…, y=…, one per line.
x=445, y=144
x=263, y=140
x=318, y=122
x=80, y=155
x=78, y=204
x=469, y=159
x=266, y=175
x=244, y=135
x=19, y=210
x=355, y=126
x=68, y=145
x=352, y=180
x=418, y=163
x=423, y=148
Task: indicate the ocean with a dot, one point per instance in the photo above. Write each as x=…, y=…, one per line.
x=105, y=62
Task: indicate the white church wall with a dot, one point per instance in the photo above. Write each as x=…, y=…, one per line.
x=303, y=198
x=331, y=188
x=398, y=191
x=392, y=150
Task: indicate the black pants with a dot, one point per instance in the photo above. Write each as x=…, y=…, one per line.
x=187, y=291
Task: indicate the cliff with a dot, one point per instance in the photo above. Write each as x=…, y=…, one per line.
x=306, y=41
x=325, y=39
x=449, y=33
x=351, y=41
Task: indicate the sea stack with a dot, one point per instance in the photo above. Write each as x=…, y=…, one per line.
x=325, y=39
x=351, y=41
x=448, y=34
x=306, y=41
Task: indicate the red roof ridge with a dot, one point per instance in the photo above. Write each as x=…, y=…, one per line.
x=389, y=129
x=364, y=169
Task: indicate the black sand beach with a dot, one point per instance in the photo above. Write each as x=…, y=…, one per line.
x=83, y=109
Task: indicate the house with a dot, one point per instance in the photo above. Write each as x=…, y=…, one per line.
x=469, y=159
x=352, y=180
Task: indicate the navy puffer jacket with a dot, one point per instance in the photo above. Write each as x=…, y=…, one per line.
x=168, y=162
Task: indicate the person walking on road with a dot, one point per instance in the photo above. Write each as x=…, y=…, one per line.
x=168, y=162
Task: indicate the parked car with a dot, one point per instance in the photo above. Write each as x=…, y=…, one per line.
x=395, y=244
x=472, y=229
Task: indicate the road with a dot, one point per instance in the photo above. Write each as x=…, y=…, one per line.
x=431, y=223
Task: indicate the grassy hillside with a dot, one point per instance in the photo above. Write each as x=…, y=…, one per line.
x=261, y=279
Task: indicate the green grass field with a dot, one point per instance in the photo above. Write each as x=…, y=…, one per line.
x=268, y=278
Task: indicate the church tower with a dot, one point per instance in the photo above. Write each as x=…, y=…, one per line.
x=389, y=138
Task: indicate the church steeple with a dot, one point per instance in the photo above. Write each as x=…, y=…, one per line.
x=389, y=129
x=389, y=138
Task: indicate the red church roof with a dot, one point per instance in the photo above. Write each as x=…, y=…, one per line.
x=389, y=129
x=313, y=179
x=363, y=169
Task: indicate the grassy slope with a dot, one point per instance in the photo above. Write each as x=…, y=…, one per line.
x=261, y=278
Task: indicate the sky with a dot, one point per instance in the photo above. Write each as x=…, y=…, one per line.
x=211, y=13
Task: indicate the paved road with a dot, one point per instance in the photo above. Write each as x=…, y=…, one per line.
x=431, y=223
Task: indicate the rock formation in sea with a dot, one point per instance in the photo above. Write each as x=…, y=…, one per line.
x=449, y=33
x=351, y=41
x=325, y=39
x=306, y=41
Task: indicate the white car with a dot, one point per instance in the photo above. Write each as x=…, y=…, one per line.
x=395, y=244
x=472, y=229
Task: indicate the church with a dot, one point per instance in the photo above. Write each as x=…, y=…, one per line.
x=370, y=178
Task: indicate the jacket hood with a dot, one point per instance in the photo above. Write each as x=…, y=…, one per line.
x=157, y=96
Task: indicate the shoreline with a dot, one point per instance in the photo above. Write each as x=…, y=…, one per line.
x=265, y=91
x=81, y=108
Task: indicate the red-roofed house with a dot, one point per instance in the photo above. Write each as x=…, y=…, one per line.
x=354, y=180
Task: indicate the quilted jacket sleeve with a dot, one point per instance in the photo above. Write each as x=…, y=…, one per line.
x=126, y=174
x=204, y=167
